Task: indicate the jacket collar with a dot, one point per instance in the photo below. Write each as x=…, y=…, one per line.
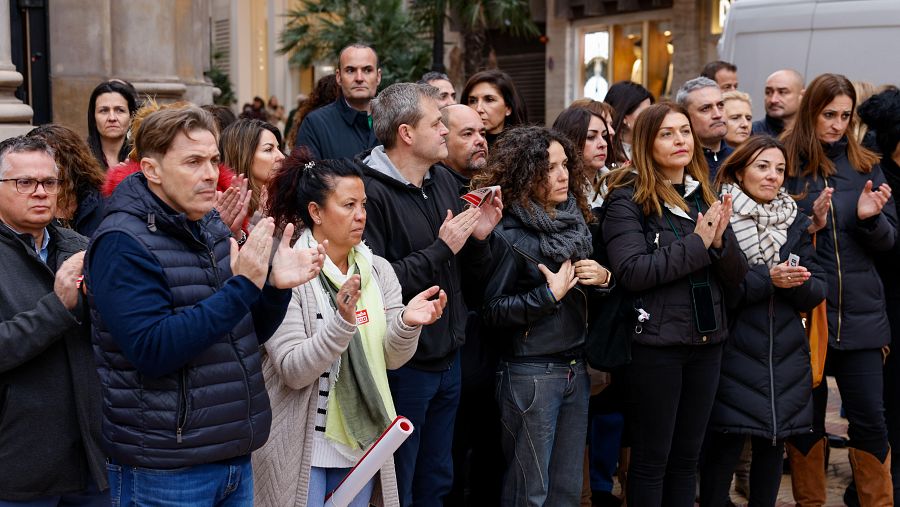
x=134, y=197
x=690, y=185
x=351, y=116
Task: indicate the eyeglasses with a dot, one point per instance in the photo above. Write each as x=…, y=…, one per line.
x=29, y=185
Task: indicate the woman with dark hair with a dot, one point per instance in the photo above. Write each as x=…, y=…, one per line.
x=326, y=365
x=882, y=115
x=671, y=247
x=325, y=92
x=536, y=305
x=79, y=203
x=493, y=95
x=854, y=218
x=250, y=148
x=588, y=132
x=110, y=108
x=627, y=99
x=766, y=382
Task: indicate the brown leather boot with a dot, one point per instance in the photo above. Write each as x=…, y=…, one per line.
x=808, y=475
x=873, y=479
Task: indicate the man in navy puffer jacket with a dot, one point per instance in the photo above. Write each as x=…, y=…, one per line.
x=179, y=314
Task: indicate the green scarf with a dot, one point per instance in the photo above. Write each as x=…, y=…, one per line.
x=360, y=406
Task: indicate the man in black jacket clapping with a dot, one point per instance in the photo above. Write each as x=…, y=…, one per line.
x=416, y=221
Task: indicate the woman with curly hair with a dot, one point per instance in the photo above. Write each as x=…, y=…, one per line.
x=536, y=305
x=671, y=247
x=79, y=205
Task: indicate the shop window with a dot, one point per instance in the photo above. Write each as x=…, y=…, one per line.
x=639, y=52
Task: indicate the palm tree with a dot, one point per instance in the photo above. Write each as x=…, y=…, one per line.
x=476, y=17
x=318, y=29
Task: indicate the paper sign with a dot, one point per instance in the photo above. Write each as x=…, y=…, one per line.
x=478, y=197
x=362, y=317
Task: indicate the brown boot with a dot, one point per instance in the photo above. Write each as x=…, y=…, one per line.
x=873, y=479
x=808, y=475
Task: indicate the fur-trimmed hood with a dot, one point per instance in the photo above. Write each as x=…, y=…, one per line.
x=116, y=174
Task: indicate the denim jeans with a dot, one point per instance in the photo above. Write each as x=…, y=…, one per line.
x=90, y=497
x=323, y=481
x=215, y=484
x=672, y=390
x=424, y=463
x=543, y=410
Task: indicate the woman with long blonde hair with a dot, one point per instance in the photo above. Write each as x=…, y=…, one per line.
x=671, y=247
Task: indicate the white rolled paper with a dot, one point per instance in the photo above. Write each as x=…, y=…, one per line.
x=371, y=462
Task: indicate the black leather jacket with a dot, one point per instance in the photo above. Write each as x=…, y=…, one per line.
x=519, y=309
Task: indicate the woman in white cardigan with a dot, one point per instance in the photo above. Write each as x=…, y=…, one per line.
x=326, y=366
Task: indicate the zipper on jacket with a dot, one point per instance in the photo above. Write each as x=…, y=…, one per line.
x=772, y=369
x=182, y=414
x=585, y=306
x=837, y=257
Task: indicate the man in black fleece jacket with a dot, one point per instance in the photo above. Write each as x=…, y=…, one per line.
x=416, y=221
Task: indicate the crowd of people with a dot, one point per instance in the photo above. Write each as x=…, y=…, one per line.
x=204, y=309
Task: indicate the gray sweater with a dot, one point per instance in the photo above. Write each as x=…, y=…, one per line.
x=49, y=391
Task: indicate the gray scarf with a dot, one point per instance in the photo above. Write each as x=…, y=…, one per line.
x=564, y=236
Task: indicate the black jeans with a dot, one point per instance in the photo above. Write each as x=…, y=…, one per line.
x=671, y=394
x=722, y=452
x=860, y=380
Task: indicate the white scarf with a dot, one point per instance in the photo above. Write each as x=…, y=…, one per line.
x=761, y=228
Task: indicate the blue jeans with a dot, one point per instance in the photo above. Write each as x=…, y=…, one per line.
x=323, y=481
x=213, y=484
x=90, y=497
x=424, y=463
x=543, y=410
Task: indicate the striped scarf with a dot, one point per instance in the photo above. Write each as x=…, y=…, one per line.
x=761, y=228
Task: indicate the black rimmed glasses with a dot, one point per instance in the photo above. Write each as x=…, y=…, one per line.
x=29, y=185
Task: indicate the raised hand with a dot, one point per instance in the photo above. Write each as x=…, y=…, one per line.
x=786, y=277
x=347, y=297
x=233, y=204
x=455, y=230
x=562, y=281
x=252, y=261
x=871, y=201
x=820, y=210
x=491, y=213
x=724, y=219
x=590, y=272
x=65, y=283
x=708, y=224
x=422, y=310
x=295, y=266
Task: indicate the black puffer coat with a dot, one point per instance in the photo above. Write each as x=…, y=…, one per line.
x=846, y=248
x=653, y=264
x=766, y=382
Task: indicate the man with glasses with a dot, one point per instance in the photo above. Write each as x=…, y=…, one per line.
x=49, y=392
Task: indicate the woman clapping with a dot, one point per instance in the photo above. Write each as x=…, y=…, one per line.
x=326, y=366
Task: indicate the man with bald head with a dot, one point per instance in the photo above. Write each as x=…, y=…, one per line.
x=784, y=89
x=466, y=145
x=344, y=127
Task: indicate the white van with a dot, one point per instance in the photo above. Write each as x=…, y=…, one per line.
x=857, y=38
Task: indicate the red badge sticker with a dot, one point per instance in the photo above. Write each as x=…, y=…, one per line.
x=362, y=317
